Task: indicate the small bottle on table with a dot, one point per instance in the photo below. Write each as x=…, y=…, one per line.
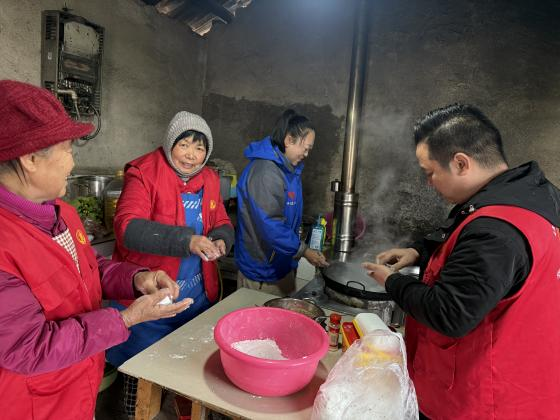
x=334, y=331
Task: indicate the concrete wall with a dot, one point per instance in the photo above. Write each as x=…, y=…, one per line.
x=277, y=55
x=152, y=68
x=501, y=56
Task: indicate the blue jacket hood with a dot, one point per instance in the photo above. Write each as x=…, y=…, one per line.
x=264, y=149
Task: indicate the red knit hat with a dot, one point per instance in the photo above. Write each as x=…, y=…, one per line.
x=31, y=118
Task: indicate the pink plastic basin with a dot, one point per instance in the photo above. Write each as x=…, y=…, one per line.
x=300, y=339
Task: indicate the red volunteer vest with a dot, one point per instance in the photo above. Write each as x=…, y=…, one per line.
x=52, y=276
x=508, y=367
x=164, y=187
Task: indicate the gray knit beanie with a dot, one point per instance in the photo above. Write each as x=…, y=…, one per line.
x=181, y=122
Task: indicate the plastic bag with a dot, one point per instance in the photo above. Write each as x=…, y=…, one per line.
x=370, y=381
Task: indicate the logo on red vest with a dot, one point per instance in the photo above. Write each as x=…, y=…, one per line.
x=81, y=237
x=212, y=204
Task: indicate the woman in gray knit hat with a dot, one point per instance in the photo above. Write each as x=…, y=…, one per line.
x=170, y=215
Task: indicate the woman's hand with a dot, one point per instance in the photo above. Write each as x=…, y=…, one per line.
x=148, y=282
x=315, y=257
x=205, y=248
x=221, y=245
x=398, y=257
x=147, y=308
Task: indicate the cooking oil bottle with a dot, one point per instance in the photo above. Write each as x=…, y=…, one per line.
x=110, y=198
x=317, y=235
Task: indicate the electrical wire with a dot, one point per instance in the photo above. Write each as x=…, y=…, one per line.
x=96, y=132
x=84, y=140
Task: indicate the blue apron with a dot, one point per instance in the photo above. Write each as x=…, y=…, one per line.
x=190, y=284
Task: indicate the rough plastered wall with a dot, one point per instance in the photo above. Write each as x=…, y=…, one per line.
x=152, y=68
x=501, y=56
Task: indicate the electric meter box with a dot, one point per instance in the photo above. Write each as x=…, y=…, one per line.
x=71, y=53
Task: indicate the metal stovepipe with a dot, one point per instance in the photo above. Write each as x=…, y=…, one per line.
x=345, y=198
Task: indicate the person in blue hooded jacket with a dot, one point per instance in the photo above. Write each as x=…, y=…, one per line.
x=270, y=205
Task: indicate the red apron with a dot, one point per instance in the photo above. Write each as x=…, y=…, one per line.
x=508, y=367
x=62, y=291
x=164, y=188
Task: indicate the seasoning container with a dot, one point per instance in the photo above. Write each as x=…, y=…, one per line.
x=111, y=196
x=349, y=335
x=334, y=330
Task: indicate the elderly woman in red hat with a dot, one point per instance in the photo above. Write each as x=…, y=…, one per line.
x=53, y=330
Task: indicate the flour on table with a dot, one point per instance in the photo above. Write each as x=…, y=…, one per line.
x=265, y=349
x=178, y=356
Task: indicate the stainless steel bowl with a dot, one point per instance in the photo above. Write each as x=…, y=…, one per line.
x=302, y=306
x=86, y=186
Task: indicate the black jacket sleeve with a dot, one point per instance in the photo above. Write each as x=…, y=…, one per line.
x=424, y=249
x=224, y=232
x=173, y=241
x=490, y=261
x=157, y=238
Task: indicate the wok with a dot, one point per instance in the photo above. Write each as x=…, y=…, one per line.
x=351, y=279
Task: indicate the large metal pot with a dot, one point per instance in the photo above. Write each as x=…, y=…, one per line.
x=349, y=284
x=86, y=186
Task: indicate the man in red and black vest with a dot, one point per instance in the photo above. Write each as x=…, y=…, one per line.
x=482, y=328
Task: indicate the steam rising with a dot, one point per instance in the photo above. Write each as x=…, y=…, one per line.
x=395, y=200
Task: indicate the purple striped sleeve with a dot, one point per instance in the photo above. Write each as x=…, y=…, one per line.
x=116, y=278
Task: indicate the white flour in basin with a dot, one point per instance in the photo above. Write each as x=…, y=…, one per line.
x=265, y=349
